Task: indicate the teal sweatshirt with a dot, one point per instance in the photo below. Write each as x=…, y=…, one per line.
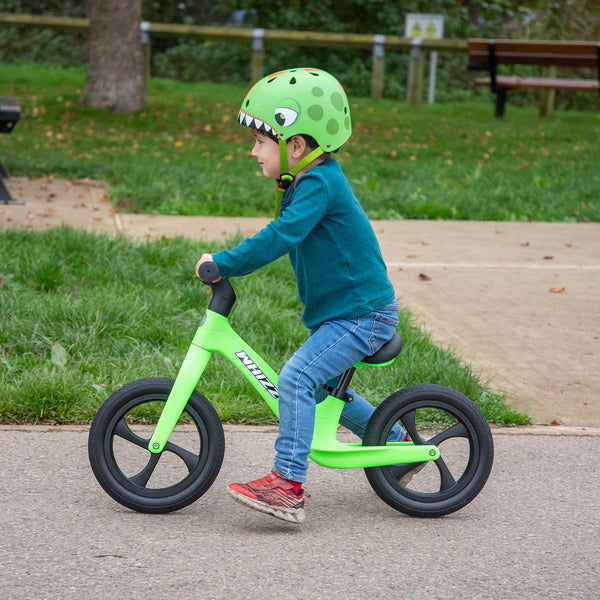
x=331, y=244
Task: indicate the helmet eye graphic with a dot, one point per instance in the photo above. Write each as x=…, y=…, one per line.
x=285, y=116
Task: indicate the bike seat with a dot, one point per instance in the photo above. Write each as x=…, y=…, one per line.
x=386, y=353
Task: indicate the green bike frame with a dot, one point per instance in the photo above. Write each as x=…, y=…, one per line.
x=215, y=334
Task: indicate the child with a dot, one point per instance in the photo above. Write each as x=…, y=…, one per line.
x=298, y=117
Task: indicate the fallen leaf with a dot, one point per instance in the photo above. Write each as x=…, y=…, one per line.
x=411, y=256
x=524, y=243
x=499, y=231
x=424, y=277
x=557, y=289
x=548, y=257
x=568, y=244
x=556, y=422
x=58, y=354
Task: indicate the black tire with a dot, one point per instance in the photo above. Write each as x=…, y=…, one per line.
x=147, y=482
x=442, y=416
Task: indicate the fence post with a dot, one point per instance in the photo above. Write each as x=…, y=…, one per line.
x=415, y=73
x=378, y=66
x=146, y=50
x=258, y=54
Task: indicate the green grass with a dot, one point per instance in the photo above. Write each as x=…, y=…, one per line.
x=84, y=314
x=186, y=154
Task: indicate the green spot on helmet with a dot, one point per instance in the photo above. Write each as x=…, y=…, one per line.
x=299, y=101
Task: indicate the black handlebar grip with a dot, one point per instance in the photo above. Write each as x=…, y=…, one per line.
x=208, y=271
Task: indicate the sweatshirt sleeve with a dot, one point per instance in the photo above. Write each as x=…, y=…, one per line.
x=278, y=238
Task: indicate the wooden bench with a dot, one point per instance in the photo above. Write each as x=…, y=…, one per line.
x=490, y=54
x=10, y=112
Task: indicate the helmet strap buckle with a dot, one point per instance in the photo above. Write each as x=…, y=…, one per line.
x=285, y=180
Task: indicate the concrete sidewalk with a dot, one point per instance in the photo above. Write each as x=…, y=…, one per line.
x=520, y=302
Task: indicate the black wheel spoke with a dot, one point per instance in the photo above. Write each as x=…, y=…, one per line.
x=409, y=422
x=446, y=478
x=457, y=430
x=124, y=431
x=144, y=475
x=189, y=458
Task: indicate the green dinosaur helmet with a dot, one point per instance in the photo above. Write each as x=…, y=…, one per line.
x=299, y=101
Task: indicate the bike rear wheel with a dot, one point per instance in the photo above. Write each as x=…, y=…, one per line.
x=148, y=482
x=442, y=416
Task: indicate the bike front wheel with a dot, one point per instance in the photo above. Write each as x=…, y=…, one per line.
x=442, y=416
x=148, y=482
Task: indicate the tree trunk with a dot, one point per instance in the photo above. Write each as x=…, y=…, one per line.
x=115, y=77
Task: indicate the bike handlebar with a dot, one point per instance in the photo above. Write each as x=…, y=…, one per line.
x=223, y=296
x=208, y=271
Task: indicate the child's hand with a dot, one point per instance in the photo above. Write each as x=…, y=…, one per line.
x=205, y=258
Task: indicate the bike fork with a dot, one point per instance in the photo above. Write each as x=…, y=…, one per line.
x=191, y=370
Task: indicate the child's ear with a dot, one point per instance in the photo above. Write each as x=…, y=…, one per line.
x=298, y=145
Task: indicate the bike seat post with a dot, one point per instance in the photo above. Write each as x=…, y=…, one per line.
x=341, y=388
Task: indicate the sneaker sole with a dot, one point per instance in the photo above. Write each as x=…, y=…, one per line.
x=291, y=515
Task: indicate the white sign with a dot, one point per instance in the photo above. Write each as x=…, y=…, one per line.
x=419, y=25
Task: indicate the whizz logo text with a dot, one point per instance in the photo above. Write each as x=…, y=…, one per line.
x=258, y=374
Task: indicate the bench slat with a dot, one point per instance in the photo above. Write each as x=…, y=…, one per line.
x=533, y=52
x=535, y=46
x=560, y=60
x=541, y=83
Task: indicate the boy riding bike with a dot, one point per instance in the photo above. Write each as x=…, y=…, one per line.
x=298, y=117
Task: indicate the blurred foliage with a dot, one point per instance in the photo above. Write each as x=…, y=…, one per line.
x=187, y=59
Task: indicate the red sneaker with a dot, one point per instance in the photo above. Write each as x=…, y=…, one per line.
x=272, y=495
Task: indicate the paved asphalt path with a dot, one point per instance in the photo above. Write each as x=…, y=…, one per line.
x=532, y=533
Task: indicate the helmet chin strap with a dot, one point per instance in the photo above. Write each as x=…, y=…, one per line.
x=287, y=177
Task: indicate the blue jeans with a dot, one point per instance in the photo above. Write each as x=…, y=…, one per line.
x=329, y=351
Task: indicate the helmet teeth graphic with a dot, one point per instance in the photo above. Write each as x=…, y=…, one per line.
x=254, y=123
